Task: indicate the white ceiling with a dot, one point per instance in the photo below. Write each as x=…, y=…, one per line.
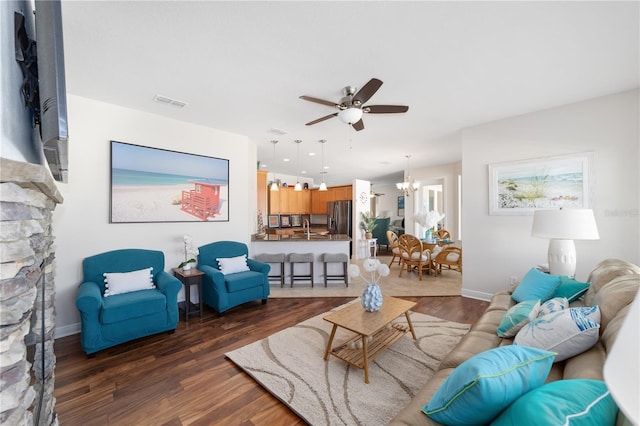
x=241, y=67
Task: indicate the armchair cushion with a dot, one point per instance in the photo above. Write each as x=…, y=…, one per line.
x=243, y=280
x=233, y=265
x=120, y=307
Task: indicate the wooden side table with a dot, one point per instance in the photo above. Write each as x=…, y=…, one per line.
x=188, y=278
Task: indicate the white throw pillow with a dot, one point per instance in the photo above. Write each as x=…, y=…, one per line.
x=125, y=282
x=556, y=304
x=232, y=265
x=568, y=332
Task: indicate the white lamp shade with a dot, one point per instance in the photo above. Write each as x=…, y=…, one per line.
x=565, y=224
x=323, y=187
x=274, y=186
x=621, y=370
x=298, y=187
x=350, y=115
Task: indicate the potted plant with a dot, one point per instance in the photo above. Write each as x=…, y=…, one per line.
x=190, y=252
x=368, y=224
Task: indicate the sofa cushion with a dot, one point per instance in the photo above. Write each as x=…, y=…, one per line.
x=121, y=307
x=232, y=265
x=536, y=285
x=125, y=282
x=605, y=272
x=517, y=316
x=571, y=289
x=243, y=280
x=575, y=402
x=568, y=332
x=483, y=386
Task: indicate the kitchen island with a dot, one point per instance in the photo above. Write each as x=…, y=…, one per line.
x=315, y=243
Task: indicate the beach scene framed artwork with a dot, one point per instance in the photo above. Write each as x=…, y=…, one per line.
x=158, y=185
x=521, y=187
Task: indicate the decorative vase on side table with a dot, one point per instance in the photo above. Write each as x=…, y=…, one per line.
x=428, y=234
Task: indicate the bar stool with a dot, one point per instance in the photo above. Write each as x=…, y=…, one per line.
x=336, y=258
x=301, y=258
x=274, y=258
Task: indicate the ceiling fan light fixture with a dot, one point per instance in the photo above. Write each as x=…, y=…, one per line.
x=350, y=115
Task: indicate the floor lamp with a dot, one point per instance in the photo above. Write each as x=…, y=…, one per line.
x=561, y=227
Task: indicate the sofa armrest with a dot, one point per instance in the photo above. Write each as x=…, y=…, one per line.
x=258, y=266
x=213, y=274
x=89, y=298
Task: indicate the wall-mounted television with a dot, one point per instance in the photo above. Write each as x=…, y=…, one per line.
x=44, y=87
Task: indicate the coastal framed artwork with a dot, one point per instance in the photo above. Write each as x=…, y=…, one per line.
x=401, y=205
x=273, y=221
x=285, y=221
x=521, y=187
x=158, y=185
x=296, y=220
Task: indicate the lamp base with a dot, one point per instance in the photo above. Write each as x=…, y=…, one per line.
x=562, y=257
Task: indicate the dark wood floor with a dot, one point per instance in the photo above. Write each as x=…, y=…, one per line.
x=185, y=379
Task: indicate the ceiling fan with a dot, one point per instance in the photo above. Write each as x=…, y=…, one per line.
x=351, y=106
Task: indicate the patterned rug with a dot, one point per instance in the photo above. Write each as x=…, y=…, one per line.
x=290, y=365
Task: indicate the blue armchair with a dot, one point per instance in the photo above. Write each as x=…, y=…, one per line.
x=119, y=318
x=223, y=292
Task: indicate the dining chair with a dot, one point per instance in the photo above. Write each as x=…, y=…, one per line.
x=392, y=237
x=442, y=234
x=414, y=255
x=449, y=258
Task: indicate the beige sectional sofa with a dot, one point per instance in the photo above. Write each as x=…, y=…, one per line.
x=614, y=284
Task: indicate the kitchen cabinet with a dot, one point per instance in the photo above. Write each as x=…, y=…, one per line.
x=342, y=193
x=262, y=192
x=289, y=201
x=319, y=201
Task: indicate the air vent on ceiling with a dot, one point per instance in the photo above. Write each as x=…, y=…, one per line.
x=169, y=101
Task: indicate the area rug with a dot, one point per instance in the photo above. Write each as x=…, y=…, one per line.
x=290, y=365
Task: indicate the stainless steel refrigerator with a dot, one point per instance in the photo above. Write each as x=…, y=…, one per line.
x=339, y=217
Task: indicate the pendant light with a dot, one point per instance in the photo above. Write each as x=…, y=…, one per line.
x=323, y=186
x=298, y=187
x=409, y=185
x=274, y=185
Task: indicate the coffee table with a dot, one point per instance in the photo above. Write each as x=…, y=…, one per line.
x=375, y=331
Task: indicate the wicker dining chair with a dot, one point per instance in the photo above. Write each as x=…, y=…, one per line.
x=392, y=237
x=414, y=255
x=449, y=258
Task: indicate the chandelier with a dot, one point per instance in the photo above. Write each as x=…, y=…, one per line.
x=409, y=185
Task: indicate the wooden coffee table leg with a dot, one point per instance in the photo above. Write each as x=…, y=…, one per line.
x=365, y=359
x=330, y=342
x=413, y=333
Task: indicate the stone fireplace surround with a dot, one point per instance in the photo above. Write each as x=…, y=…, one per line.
x=28, y=196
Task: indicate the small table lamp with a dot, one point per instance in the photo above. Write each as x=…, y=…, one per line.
x=562, y=227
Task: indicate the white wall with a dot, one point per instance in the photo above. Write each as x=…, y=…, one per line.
x=497, y=247
x=81, y=223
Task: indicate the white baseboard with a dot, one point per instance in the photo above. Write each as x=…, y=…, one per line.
x=67, y=330
x=477, y=295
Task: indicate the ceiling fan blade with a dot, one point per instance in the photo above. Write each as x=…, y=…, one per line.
x=358, y=125
x=366, y=92
x=385, y=109
x=326, y=117
x=319, y=101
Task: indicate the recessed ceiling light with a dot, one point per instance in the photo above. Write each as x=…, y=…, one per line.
x=263, y=165
x=303, y=172
x=285, y=159
x=277, y=131
x=311, y=154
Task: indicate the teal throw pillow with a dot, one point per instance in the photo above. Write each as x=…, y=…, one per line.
x=568, y=332
x=536, y=285
x=571, y=289
x=484, y=385
x=517, y=316
x=575, y=402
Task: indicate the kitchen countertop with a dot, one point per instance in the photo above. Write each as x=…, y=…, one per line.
x=301, y=237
